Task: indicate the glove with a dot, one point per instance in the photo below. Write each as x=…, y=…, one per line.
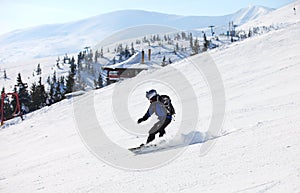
x=140, y=120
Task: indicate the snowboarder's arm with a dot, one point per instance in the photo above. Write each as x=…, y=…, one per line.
x=144, y=118
x=148, y=114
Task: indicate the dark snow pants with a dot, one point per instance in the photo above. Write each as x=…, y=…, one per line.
x=158, y=127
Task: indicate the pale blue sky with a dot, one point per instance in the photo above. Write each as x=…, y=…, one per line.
x=17, y=14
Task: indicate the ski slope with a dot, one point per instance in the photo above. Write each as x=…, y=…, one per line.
x=257, y=149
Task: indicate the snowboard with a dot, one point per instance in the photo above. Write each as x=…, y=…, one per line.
x=143, y=149
x=154, y=148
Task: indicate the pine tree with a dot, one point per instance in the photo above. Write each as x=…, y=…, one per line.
x=177, y=47
x=34, y=103
x=250, y=33
x=100, y=82
x=79, y=83
x=62, y=81
x=73, y=67
x=57, y=62
x=120, y=48
x=70, y=82
x=42, y=93
x=49, y=80
x=79, y=60
x=164, y=61
x=158, y=38
x=38, y=96
x=196, y=46
x=96, y=56
x=66, y=58
x=132, y=49
x=145, y=39
x=24, y=96
x=90, y=56
x=51, y=94
x=73, y=60
x=19, y=79
x=95, y=84
x=54, y=80
x=183, y=35
x=58, y=95
x=38, y=70
x=191, y=41
x=206, y=42
x=165, y=38
x=126, y=52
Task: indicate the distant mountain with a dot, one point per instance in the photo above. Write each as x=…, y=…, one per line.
x=71, y=37
x=250, y=13
x=280, y=17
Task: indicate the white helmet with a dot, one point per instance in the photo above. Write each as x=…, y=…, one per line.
x=150, y=94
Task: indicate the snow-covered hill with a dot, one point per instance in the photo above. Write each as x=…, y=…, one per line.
x=256, y=151
x=280, y=17
x=250, y=13
x=58, y=39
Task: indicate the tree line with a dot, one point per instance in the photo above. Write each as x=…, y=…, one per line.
x=36, y=96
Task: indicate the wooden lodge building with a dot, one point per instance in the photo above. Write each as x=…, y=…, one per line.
x=127, y=69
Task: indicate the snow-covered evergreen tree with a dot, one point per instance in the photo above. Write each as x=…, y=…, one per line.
x=196, y=46
x=24, y=96
x=98, y=83
x=38, y=96
x=38, y=70
x=70, y=82
x=132, y=49
x=206, y=43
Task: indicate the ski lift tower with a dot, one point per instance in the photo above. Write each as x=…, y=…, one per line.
x=234, y=26
x=87, y=49
x=212, y=30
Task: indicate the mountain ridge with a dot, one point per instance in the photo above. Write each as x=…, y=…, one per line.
x=132, y=13
x=75, y=35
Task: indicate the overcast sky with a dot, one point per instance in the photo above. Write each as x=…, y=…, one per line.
x=18, y=14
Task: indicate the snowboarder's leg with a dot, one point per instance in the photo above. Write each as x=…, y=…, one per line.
x=161, y=130
x=151, y=137
x=153, y=131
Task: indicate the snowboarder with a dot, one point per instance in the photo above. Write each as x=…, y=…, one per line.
x=160, y=105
